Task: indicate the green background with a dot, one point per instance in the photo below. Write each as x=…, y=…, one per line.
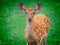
x=13, y=20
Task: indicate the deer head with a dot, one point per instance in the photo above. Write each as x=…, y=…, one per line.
x=30, y=12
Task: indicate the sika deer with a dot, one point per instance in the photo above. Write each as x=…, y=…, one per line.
x=36, y=26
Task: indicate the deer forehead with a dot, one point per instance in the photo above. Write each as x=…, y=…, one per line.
x=30, y=10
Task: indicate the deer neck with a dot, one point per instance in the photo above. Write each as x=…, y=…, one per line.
x=29, y=26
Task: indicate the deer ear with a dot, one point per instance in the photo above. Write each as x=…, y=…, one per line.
x=38, y=7
x=22, y=7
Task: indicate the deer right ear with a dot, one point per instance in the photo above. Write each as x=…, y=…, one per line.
x=22, y=7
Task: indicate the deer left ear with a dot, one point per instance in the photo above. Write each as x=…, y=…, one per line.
x=38, y=7
x=22, y=7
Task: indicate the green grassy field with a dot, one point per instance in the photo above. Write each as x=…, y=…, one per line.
x=13, y=20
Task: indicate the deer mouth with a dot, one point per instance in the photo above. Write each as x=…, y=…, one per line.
x=29, y=19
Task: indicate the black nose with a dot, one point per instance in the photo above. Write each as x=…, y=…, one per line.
x=30, y=20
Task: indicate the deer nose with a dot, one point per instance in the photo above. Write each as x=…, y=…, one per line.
x=30, y=19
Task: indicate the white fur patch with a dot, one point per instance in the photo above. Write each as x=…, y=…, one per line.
x=30, y=35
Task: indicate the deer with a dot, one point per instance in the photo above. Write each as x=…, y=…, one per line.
x=37, y=26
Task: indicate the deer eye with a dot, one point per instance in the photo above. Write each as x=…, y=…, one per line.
x=25, y=12
x=33, y=13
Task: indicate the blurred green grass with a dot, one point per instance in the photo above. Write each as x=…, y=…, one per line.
x=13, y=20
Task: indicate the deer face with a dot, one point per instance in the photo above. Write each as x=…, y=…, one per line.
x=29, y=11
x=29, y=14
